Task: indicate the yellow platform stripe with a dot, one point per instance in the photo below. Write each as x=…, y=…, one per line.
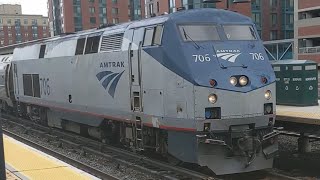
x=11, y=176
x=37, y=166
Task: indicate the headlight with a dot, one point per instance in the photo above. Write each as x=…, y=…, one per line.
x=233, y=81
x=212, y=98
x=268, y=94
x=243, y=81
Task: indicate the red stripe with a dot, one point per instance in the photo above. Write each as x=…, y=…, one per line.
x=116, y=118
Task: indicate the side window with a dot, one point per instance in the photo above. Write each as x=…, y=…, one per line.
x=27, y=85
x=153, y=36
x=92, y=45
x=148, y=37
x=158, y=35
x=42, y=51
x=80, y=46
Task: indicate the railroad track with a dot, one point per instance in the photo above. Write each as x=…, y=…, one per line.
x=60, y=156
x=88, y=146
x=122, y=157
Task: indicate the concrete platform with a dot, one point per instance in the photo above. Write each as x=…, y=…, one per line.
x=304, y=115
x=24, y=162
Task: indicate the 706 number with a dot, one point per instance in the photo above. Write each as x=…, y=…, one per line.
x=201, y=58
x=44, y=86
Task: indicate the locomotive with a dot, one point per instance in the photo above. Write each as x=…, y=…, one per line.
x=195, y=86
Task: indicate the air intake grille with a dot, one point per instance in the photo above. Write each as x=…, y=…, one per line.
x=112, y=42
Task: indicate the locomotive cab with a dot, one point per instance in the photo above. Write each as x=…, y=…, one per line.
x=233, y=90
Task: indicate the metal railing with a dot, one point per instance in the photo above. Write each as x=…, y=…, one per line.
x=307, y=50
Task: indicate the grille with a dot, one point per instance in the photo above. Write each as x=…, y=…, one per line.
x=111, y=43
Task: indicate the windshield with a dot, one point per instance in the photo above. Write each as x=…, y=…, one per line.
x=239, y=32
x=199, y=32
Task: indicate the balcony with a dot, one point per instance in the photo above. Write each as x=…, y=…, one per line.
x=309, y=50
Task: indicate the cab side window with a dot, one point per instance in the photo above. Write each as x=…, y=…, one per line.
x=92, y=45
x=80, y=46
x=153, y=36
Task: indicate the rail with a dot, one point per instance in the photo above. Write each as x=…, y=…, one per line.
x=309, y=50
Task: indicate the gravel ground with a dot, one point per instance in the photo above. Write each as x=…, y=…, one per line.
x=303, y=166
x=103, y=164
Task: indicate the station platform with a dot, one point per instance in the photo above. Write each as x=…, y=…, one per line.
x=24, y=162
x=296, y=114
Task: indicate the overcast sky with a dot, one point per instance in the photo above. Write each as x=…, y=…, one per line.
x=30, y=6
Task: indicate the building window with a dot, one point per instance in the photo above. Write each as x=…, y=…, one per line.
x=256, y=2
x=77, y=10
x=273, y=3
x=273, y=35
x=158, y=7
x=9, y=35
x=1, y=21
x=289, y=18
x=34, y=21
x=26, y=28
x=115, y=20
x=17, y=22
x=92, y=10
x=10, y=41
x=115, y=11
x=44, y=34
x=44, y=21
x=9, y=21
x=1, y=28
x=9, y=27
x=256, y=17
x=93, y=20
x=1, y=42
x=150, y=8
x=289, y=3
x=25, y=21
x=26, y=35
x=274, y=19
x=114, y=1
x=92, y=1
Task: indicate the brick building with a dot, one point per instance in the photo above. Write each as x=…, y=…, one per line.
x=307, y=29
x=273, y=18
x=16, y=27
x=68, y=16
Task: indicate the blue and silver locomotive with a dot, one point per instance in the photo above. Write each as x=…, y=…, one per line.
x=195, y=86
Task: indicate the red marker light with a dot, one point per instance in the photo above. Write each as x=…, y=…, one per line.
x=213, y=82
x=264, y=80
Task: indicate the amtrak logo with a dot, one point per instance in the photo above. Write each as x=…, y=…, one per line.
x=228, y=55
x=108, y=77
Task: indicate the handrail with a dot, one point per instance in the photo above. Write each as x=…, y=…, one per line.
x=308, y=50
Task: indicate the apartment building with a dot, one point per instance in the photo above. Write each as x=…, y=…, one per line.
x=67, y=16
x=307, y=29
x=16, y=27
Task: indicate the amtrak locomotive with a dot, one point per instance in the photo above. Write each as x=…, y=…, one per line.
x=195, y=86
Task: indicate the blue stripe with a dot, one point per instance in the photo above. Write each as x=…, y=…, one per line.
x=107, y=81
x=113, y=86
x=103, y=74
